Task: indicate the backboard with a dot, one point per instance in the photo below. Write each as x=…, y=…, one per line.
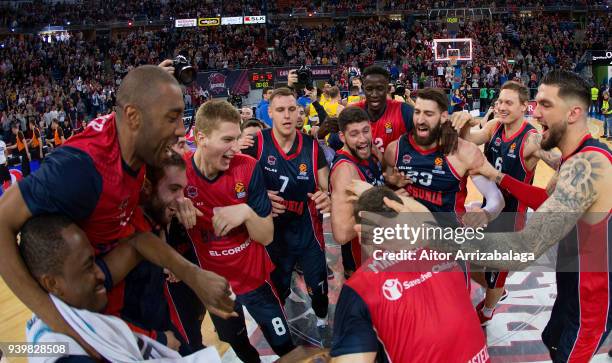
x=446, y=50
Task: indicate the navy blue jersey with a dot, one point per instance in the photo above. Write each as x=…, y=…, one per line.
x=581, y=317
x=435, y=183
x=293, y=176
x=370, y=171
x=506, y=155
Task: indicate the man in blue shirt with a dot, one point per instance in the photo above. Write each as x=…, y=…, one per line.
x=262, y=108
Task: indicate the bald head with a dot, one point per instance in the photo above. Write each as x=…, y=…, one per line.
x=143, y=86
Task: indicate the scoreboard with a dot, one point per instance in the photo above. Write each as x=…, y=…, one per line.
x=261, y=79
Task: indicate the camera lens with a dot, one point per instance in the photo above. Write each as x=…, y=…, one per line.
x=187, y=75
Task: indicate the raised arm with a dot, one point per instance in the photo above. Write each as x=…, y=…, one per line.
x=581, y=182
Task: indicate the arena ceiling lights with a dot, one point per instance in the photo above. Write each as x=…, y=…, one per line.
x=216, y=21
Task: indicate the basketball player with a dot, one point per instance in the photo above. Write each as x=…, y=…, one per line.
x=574, y=209
x=95, y=179
x=354, y=161
x=296, y=177
x=390, y=310
x=439, y=173
x=229, y=239
x=59, y=255
x=513, y=146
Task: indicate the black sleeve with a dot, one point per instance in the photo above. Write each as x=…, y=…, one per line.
x=67, y=183
x=320, y=111
x=252, y=150
x=76, y=359
x=407, y=112
x=321, y=160
x=353, y=330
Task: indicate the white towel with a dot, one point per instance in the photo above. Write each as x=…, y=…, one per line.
x=113, y=339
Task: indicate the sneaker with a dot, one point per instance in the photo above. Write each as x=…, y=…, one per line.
x=504, y=296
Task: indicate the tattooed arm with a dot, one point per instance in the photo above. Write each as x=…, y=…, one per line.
x=581, y=179
x=533, y=150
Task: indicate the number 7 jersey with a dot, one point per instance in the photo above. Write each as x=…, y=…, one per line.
x=293, y=175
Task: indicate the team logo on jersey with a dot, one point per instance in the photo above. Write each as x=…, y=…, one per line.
x=303, y=169
x=239, y=189
x=406, y=159
x=512, y=147
x=388, y=127
x=392, y=289
x=271, y=160
x=438, y=163
x=497, y=141
x=192, y=191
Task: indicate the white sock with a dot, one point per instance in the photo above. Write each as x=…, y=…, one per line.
x=321, y=321
x=487, y=312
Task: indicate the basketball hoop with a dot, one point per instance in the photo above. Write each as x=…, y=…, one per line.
x=453, y=60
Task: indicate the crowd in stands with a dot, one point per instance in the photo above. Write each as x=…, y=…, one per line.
x=71, y=78
x=39, y=12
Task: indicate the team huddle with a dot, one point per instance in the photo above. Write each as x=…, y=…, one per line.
x=149, y=236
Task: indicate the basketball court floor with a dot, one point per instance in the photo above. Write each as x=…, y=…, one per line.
x=513, y=335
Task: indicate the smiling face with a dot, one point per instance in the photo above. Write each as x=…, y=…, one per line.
x=163, y=203
x=357, y=138
x=509, y=107
x=284, y=113
x=81, y=283
x=161, y=126
x=220, y=145
x=375, y=88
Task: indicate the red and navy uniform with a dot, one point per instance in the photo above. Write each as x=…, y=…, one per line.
x=582, y=316
x=435, y=183
x=370, y=171
x=142, y=299
x=394, y=122
x=242, y=261
x=298, y=232
x=87, y=180
x=182, y=300
x=505, y=153
x=408, y=314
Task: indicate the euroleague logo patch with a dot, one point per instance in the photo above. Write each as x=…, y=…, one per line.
x=240, y=191
x=512, y=147
x=392, y=289
x=303, y=169
x=388, y=127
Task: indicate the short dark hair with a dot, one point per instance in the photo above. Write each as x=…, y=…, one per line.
x=253, y=123
x=351, y=115
x=354, y=89
x=373, y=70
x=570, y=85
x=372, y=201
x=436, y=95
x=42, y=246
x=266, y=90
x=157, y=173
x=521, y=89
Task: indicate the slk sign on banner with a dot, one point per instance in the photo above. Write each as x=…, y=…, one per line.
x=209, y=21
x=255, y=19
x=231, y=20
x=185, y=23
